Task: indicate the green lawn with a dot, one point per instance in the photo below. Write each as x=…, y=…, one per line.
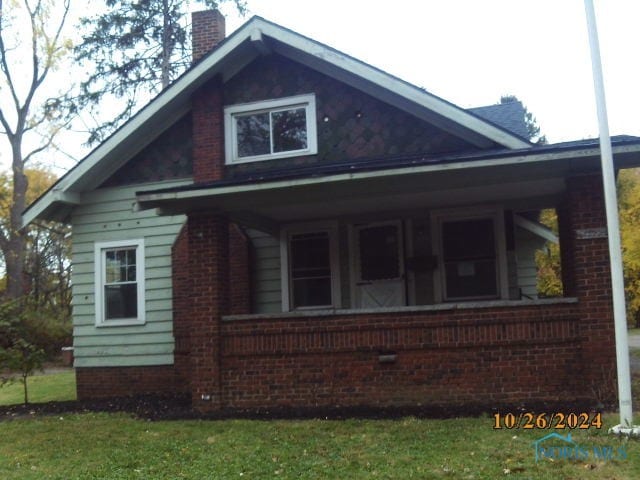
x=42, y=388
x=116, y=446
x=108, y=446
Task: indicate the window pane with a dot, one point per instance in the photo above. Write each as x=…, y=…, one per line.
x=131, y=257
x=121, y=301
x=468, y=239
x=131, y=273
x=310, y=269
x=310, y=253
x=379, y=253
x=289, y=130
x=312, y=292
x=253, y=134
x=120, y=265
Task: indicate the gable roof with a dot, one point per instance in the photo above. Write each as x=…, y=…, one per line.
x=256, y=37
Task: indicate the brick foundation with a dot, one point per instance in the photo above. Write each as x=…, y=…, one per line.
x=105, y=382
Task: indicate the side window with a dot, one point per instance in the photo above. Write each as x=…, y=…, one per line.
x=119, y=283
x=270, y=129
x=310, y=271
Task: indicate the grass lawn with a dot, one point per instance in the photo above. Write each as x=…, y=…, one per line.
x=109, y=446
x=116, y=446
x=42, y=388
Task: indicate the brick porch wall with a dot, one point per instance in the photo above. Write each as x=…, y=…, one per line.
x=477, y=356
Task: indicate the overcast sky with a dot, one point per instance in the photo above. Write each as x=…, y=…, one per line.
x=471, y=52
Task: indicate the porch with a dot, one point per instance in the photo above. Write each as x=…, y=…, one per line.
x=443, y=324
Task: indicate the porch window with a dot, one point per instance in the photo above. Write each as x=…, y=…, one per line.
x=119, y=283
x=472, y=256
x=469, y=257
x=310, y=274
x=270, y=129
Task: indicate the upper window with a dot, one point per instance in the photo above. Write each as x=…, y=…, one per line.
x=119, y=283
x=270, y=129
x=310, y=273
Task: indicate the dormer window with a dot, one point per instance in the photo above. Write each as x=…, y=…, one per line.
x=270, y=129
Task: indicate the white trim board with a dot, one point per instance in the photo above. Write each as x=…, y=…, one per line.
x=536, y=228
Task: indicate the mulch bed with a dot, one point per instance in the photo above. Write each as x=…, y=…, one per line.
x=178, y=407
x=151, y=407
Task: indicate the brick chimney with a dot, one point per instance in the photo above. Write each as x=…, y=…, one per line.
x=208, y=29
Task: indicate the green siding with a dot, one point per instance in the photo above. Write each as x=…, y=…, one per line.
x=527, y=244
x=265, y=274
x=108, y=214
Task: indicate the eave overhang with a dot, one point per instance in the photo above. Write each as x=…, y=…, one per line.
x=535, y=174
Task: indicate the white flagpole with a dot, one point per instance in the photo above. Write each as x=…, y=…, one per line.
x=613, y=227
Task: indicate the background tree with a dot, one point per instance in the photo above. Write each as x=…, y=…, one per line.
x=47, y=251
x=549, y=279
x=134, y=49
x=533, y=130
x=629, y=207
x=31, y=47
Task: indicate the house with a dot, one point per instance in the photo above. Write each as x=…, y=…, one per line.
x=287, y=226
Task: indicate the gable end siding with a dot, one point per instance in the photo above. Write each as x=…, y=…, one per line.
x=107, y=215
x=168, y=157
x=358, y=125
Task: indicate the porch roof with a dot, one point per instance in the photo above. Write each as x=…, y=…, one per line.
x=394, y=183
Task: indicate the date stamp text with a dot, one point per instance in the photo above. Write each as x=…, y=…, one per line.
x=547, y=421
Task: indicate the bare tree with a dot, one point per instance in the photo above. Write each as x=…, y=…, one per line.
x=31, y=46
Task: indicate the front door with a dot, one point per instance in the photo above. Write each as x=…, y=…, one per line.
x=379, y=266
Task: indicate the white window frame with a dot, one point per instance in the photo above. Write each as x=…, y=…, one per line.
x=496, y=213
x=100, y=248
x=308, y=102
x=334, y=259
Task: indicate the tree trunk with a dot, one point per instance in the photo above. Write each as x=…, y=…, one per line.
x=16, y=251
x=26, y=392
